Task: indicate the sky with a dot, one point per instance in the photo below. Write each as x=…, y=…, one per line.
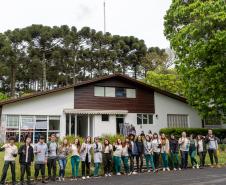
x=139, y=18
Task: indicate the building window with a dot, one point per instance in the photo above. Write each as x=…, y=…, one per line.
x=109, y=91
x=177, y=121
x=130, y=93
x=27, y=122
x=12, y=121
x=54, y=123
x=41, y=122
x=120, y=92
x=144, y=119
x=99, y=91
x=105, y=117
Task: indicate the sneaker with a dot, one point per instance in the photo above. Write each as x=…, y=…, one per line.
x=218, y=166
x=59, y=179
x=193, y=167
x=168, y=169
x=87, y=177
x=105, y=174
x=129, y=173
x=63, y=179
x=211, y=166
x=149, y=171
x=118, y=174
x=83, y=178
x=179, y=169
x=134, y=173
x=175, y=169
x=163, y=169
x=109, y=175
x=197, y=166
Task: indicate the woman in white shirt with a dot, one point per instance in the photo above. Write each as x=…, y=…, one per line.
x=156, y=150
x=125, y=155
x=117, y=154
x=97, y=148
x=75, y=158
x=184, y=144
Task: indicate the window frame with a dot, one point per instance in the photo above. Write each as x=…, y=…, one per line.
x=108, y=117
x=145, y=116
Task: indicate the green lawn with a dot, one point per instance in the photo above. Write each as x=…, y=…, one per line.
x=222, y=160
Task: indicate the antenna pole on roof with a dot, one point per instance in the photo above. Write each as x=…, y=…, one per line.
x=104, y=17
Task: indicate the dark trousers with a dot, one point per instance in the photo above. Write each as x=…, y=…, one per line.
x=156, y=156
x=132, y=158
x=5, y=169
x=25, y=167
x=139, y=160
x=40, y=167
x=107, y=160
x=184, y=159
x=202, y=157
x=213, y=153
x=85, y=168
x=51, y=163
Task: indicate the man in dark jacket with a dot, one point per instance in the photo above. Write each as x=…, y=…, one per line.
x=26, y=157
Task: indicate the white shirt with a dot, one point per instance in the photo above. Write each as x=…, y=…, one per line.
x=74, y=150
x=9, y=151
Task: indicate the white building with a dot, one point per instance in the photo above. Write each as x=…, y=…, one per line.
x=107, y=105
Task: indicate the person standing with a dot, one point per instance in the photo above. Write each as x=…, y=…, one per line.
x=201, y=148
x=52, y=157
x=184, y=144
x=140, y=150
x=133, y=153
x=63, y=152
x=117, y=154
x=75, y=158
x=107, y=157
x=9, y=160
x=86, y=157
x=41, y=155
x=148, y=153
x=26, y=157
x=156, y=150
x=212, y=145
x=192, y=151
x=174, y=147
x=164, y=152
x=97, y=149
x=125, y=155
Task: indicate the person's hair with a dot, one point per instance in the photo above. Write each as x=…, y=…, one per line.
x=12, y=138
x=87, y=139
x=63, y=145
x=192, y=136
x=125, y=142
x=155, y=134
x=107, y=141
x=141, y=139
x=41, y=137
x=117, y=141
x=52, y=135
x=149, y=138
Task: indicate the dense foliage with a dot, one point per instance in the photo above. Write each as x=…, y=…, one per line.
x=220, y=133
x=197, y=32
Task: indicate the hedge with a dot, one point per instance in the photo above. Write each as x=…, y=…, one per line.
x=220, y=133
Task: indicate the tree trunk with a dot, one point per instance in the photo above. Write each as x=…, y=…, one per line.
x=13, y=80
x=44, y=72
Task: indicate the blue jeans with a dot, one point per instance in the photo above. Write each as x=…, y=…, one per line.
x=96, y=169
x=184, y=159
x=62, y=166
x=75, y=160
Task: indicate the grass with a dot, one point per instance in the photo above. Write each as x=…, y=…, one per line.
x=222, y=160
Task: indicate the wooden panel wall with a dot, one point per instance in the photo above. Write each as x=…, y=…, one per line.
x=143, y=103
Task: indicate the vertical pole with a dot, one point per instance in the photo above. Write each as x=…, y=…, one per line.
x=88, y=128
x=20, y=122
x=47, y=131
x=104, y=17
x=69, y=124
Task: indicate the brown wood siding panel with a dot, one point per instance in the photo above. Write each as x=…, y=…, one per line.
x=143, y=103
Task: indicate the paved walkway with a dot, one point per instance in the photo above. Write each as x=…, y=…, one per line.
x=207, y=176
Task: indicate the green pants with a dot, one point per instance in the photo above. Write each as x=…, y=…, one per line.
x=192, y=156
x=117, y=164
x=149, y=161
x=125, y=160
x=96, y=169
x=174, y=159
x=165, y=160
x=75, y=160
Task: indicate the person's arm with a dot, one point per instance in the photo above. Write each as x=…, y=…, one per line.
x=46, y=154
x=32, y=154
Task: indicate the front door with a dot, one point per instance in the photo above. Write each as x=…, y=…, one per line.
x=119, y=124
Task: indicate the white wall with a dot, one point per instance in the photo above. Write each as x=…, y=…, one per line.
x=49, y=104
x=165, y=105
x=104, y=127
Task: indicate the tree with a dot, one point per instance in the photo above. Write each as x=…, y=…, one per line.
x=197, y=32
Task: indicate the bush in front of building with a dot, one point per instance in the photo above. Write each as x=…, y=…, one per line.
x=220, y=133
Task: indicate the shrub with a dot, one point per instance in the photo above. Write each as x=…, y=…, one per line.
x=220, y=133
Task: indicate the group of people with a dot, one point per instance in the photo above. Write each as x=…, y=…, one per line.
x=130, y=153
